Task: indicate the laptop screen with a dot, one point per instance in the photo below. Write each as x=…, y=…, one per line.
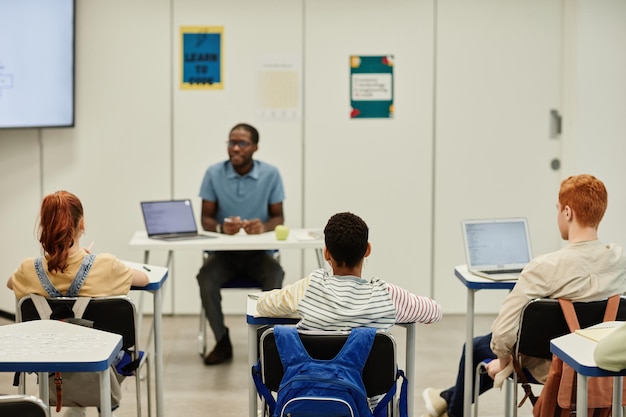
x=166, y=217
x=497, y=243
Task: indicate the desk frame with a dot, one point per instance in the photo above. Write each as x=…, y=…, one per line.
x=158, y=275
x=94, y=360
x=577, y=351
x=474, y=283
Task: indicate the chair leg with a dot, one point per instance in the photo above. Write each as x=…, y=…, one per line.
x=146, y=362
x=138, y=391
x=480, y=369
x=149, y=378
x=510, y=403
x=202, y=334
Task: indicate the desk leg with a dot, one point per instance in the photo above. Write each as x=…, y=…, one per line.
x=618, y=383
x=158, y=352
x=469, y=355
x=410, y=366
x=146, y=257
x=320, y=258
x=105, y=393
x=170, y=258
x=44, y=394
x=252, y=358
x=581, y=395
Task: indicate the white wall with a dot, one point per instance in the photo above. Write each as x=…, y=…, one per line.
x=138, y=137
x=380, y=169
x=598, y=101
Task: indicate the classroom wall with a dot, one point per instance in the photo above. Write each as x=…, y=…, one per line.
x=139, y=137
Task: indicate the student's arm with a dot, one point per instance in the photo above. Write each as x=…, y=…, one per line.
x=610, y=352
x=10, y=283
x=140, y=279
x=284, y=301
x=412, y=308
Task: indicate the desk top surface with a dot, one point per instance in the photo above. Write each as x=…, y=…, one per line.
x=297, y=239
x=156, y=274
x=253, y=317
x=51, y=346
x=474, y=282
x=577, y=351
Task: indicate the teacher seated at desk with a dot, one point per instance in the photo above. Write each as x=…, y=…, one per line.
x=344, y=300
x=238, y=194
x=66, y=269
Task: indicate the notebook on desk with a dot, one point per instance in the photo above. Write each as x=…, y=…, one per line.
x=497, y=249
x=170, y=220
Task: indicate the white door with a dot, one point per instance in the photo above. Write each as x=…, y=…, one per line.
x=498, y=76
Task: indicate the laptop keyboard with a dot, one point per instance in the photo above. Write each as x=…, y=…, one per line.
x=503, y=271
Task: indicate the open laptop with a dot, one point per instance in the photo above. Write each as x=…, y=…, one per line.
x=497, y=249
x=170, y=220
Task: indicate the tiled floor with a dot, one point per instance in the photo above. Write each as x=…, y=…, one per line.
x=192, y=389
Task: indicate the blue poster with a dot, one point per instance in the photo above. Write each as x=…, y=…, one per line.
x=371, y=86
x=201, y=58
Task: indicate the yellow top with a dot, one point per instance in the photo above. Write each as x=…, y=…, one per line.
x=108, y=276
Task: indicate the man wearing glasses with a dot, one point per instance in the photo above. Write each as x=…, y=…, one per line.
x=238, y=195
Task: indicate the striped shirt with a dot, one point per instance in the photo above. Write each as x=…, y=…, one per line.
x=328, y=302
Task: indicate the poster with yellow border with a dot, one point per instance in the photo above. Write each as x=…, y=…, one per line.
x=201, y=58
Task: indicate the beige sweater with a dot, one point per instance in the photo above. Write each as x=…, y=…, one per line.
x=584, y=271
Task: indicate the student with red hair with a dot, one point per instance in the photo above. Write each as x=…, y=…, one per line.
x=66, y=269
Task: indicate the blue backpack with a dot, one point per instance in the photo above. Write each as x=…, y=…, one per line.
x=328, y=387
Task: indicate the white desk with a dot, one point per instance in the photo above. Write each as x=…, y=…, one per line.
x=298, y=239
x=45, y=346
x=577, y=351
x=254, y=322
x=473, y=283
x=157, y=275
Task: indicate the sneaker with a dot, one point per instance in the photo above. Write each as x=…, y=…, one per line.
x=435, y=404
x=75, y=412
x=222, y=352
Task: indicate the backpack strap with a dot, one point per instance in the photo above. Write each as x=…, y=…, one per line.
x=354, y=352
x=261, y=388
x=570, y=314
x=357, y=348
x=612, y=305
x=381, y=407
x=290, y=347
x=79, y=307
x=42, y=306
x=610, y=312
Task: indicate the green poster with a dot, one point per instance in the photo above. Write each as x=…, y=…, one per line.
x=371, y=86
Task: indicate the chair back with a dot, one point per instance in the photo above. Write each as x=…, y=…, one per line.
x=22, y=406
x=542, y=320
x=115, y=314
x=241, y=282
x=379, y=373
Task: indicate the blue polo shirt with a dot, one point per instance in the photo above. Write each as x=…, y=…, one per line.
x=247, y=196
